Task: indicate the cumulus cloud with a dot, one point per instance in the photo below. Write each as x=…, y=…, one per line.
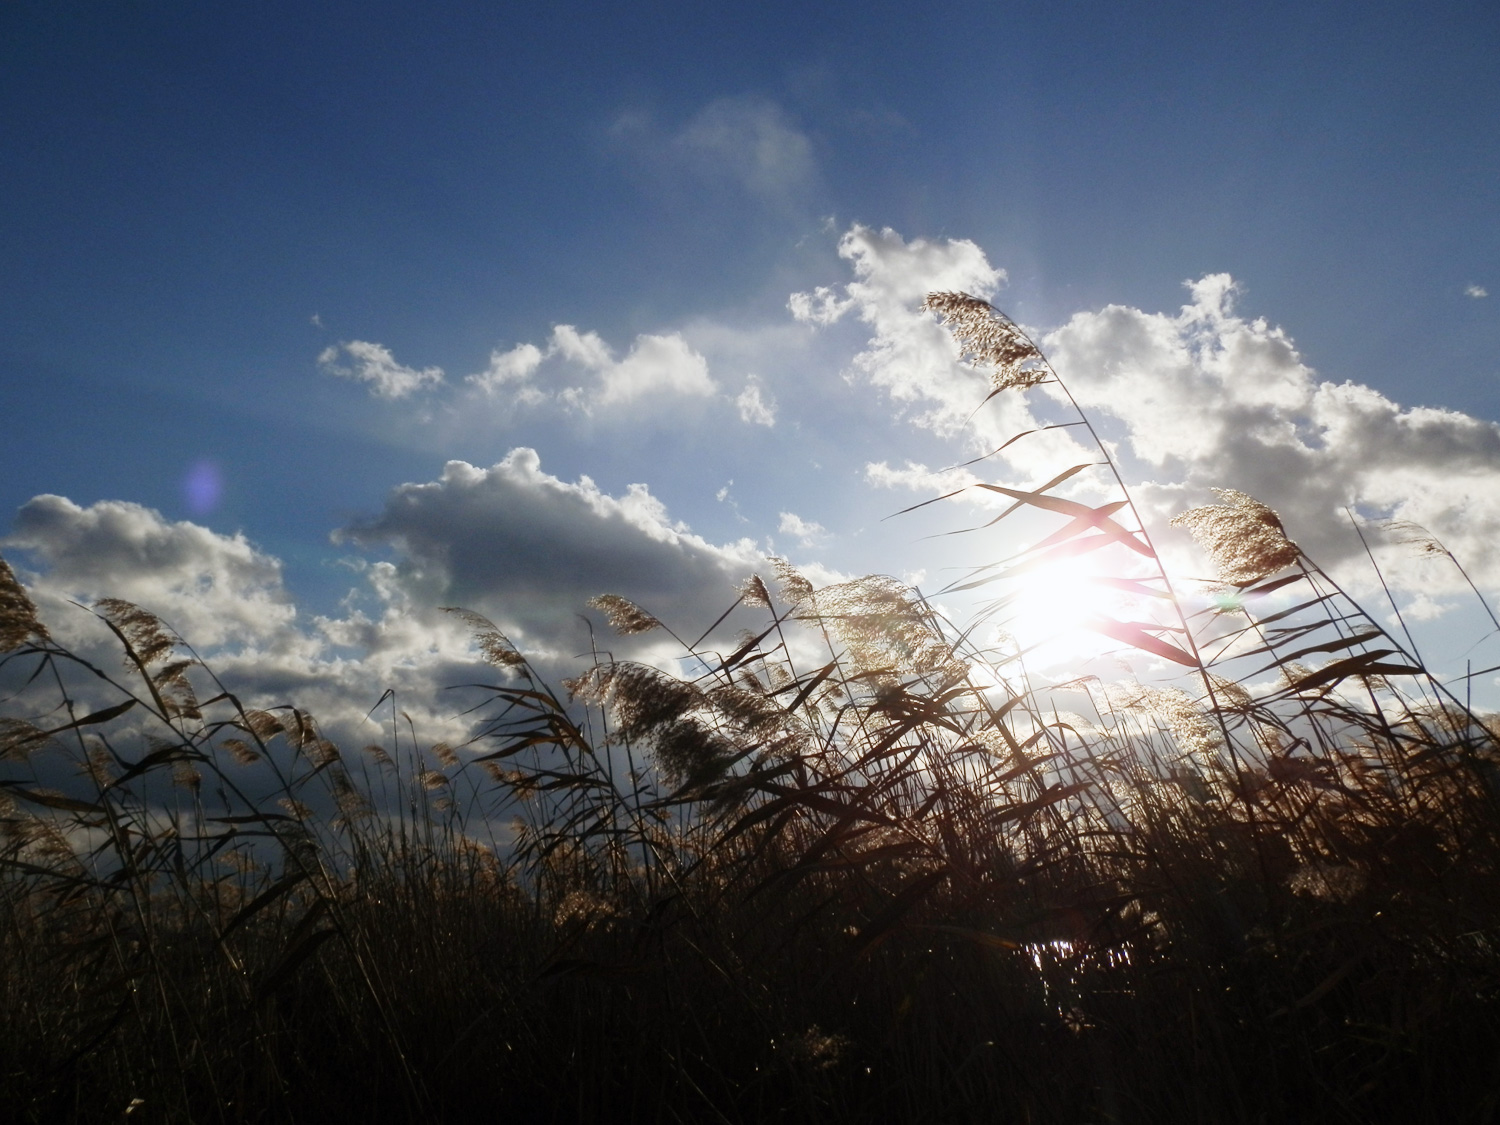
x=579, y=370
x=822, y=307
x=1208, y=397
x=375, y=365
x=525, y=547
x=911, y=358
x=656, y=365
x=1476, y=291
x=512, y=541
x=225, y=597
x=507, y=368
x=755, y=405
x=220, y=588
x=1201, y=398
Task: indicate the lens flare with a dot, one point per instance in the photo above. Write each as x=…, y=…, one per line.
x=203, y=487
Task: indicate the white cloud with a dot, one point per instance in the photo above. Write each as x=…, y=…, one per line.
x=1476, y=291
x=756, y=407
x=374, y=364
x=656, y=365
x=586, y=349
x=1210, y=398
x=821, y=307
x=1201, y=398
x=917, y=477
x=583, y=373
x=225, y=597
x=515, y=366
x=528, y=548
x=513, y=542
x=912, y=359
x=221, y=589
x=806, y=531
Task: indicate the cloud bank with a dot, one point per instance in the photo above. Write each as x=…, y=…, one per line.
x=512, y=542
x=1199, y=398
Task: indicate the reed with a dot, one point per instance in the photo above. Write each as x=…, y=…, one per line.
x=893, y=881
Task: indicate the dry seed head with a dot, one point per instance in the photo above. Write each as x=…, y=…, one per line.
x=642, y=697
x=1292, y=672
x=748, y=711
x=18, y=616
x=323, y=752
x=1230, y=694
x=493, y=644
x=625, y=617
x=522, y=784
x=302, y=730
x=263, y=724
x=1329, y=882
x=753, y=593
x=583, y=906
x=445, y=754
x=241, y=751
x=750, y=681
x=176, y=691
x=989, y=338
x=185, y=776
x=295, y=808
x=20, y=739
x=99, y=766
x=881, y=623
x=1242, y=536
x=794, y=588
x=173, y=675
x=42, y=839
x=378, y=753
x=1190, y=728
x=147, y=637
x=813, y=1049
x=1415, y=535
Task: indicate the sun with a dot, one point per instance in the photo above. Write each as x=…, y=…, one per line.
x=1054, y=611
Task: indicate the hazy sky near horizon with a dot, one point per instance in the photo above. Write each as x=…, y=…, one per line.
x=316, y=317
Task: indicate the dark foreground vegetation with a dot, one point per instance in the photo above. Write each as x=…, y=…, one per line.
x=853, y=867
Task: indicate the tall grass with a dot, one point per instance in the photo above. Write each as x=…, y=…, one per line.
x=853, y=867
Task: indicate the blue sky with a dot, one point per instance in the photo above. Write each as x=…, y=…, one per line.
x=200, y=200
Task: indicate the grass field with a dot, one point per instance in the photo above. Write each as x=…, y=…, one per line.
x=853, y=866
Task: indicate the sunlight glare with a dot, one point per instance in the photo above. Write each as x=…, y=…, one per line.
x=1055, y=605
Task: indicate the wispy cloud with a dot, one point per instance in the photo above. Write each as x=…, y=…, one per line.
x=806, y=531
x=747, y=141
x=375, y=365
x=755, y=404
x=1476, y=291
